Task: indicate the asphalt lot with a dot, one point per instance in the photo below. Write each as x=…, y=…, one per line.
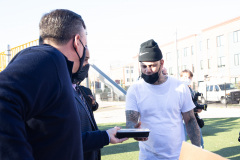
x=114, y=112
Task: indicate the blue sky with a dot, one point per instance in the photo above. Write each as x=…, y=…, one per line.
x=116, y=28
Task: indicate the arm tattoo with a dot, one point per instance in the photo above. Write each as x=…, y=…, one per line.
x=192, y=128
x=131, y=118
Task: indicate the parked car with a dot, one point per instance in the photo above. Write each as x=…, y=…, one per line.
x=223, y=92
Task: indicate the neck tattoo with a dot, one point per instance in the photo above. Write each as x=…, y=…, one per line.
x=161, y=80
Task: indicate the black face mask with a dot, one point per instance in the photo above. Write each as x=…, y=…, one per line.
x=151, y=79
x=75, y=75
x=82, y=74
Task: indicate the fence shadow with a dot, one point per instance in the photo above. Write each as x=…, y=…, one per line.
x=230, y=151
x=216, y=125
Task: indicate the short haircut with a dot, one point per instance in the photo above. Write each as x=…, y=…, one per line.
x=60, y=26
x=186, y=71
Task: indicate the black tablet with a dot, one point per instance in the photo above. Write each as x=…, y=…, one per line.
x=132, y=133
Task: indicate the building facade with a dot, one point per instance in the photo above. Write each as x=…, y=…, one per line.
x=212, y=55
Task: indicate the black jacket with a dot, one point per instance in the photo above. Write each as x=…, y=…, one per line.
x=93, y=139
x=38, y=114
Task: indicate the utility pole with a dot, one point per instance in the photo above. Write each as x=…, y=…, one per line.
x=176, y=54
x=8, y=54
x=130, y=72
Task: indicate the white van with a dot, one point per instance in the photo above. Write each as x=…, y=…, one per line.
x=223, y=92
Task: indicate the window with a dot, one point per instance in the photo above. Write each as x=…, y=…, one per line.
x=221, y=62
x=211, y=88
x=131, y=71
x=127, y=71
x=128, y=80
x=227, y=86
x=207, y=88
x=192, y=50
x=208, y=43
x=236, y=59
x=220, y=41
x=236, y=36
x=185, y=52
x=201, y=64
x=193, y=69
x=209, y=63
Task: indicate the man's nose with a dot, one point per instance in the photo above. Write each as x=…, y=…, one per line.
x=149, y=69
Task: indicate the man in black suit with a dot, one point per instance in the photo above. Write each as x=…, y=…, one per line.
x=87, y=93
x=38, y=114
x=93, y=138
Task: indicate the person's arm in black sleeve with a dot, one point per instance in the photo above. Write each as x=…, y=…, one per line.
x=20, y=85
x=94, y=140
x=97, y=139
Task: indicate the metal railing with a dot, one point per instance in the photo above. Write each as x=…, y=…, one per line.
x=117, y=92
x=3, y=61
x=6, y=56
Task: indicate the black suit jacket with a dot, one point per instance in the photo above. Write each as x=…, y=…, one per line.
x=38, y=114
x=93, y=139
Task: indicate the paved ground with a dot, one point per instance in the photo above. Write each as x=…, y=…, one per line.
x=114, y=112
x=110, y=112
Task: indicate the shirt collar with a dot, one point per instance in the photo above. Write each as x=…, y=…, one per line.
x=70, y=66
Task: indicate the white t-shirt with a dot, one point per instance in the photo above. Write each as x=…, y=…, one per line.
x=160, y=108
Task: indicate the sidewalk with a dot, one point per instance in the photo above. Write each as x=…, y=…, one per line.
x=214, y=111
x=114, y=112
x=110, y=112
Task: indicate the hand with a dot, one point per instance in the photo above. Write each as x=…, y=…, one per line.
x=93, y=100
x=138, y=125
x=112, y=133
x=199, y=110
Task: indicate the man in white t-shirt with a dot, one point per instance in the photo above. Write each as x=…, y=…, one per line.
x=159, y=103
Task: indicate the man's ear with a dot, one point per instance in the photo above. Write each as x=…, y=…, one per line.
x=76, y=41
x=162, y=62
